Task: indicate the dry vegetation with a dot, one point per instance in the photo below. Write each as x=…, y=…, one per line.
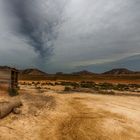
x=98, y=78
x=85, y=86
x=66, y=110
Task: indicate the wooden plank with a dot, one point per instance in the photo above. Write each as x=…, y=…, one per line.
x=5, y=75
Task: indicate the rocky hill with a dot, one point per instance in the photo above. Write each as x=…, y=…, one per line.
x=33, y=72
x=119, y=71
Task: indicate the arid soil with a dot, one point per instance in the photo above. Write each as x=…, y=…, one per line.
x=51, y=115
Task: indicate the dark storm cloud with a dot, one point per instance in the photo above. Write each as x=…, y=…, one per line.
x=37, y=21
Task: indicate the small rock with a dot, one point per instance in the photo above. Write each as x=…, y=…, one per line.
x=16, y=111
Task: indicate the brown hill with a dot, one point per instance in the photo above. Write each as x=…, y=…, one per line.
x=119, y=71
x=36, y=72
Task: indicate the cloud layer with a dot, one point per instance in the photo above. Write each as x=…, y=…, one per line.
x=66, y=35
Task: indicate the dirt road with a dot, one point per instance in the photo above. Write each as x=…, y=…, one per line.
x=95, y=117
x=76, y=117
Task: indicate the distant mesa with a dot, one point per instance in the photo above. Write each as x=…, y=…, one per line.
x=119, y=71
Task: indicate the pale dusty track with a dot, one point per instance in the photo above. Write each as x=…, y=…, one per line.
x=96, y=117
x=77, y=117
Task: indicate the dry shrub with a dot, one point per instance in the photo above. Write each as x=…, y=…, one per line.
x=68, y=89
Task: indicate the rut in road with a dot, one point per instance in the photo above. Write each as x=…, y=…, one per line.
x=79, y=124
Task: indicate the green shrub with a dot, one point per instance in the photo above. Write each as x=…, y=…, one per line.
x=121, y=87
x=106, y=86
x=73, y=84
x=134, y=85
x=87, y=85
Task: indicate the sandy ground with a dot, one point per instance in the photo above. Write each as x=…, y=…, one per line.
x=49, y=115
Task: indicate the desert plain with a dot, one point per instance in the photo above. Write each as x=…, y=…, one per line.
x=63, y=110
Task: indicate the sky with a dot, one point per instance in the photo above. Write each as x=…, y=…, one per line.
x=70, y=35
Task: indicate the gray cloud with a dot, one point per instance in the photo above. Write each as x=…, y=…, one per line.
x=37, y=21
x=98, y=30
x=131, y=63
x=81, y=33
